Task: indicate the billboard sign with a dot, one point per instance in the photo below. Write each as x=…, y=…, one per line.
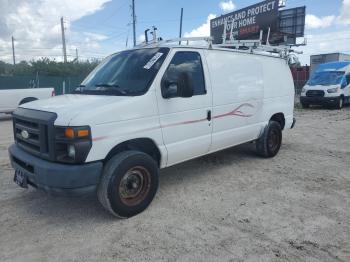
x=247, y=22
x=292, y=23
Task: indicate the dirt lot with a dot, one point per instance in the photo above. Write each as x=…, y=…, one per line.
x=229, y=206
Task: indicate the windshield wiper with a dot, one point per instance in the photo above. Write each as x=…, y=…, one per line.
x=111, y=88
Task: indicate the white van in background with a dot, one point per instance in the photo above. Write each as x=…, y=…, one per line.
x=328, y=86
x=10, y=99
x=149, y=108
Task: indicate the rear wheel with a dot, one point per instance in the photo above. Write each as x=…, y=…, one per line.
x=128, y=184
x=270, y=142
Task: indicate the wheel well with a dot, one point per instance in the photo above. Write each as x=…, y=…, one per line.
x=279, y=117
x=27, y=99
x=145, y=145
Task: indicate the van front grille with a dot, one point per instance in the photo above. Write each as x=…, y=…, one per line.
x=33, y=131
x=315, y=93
x=31, y=135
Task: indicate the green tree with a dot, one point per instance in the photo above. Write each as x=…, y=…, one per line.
x=48, y=67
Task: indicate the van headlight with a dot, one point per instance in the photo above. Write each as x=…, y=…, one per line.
x=333, y=90
x=72, y=144
x=71, y=151
x=303, y=90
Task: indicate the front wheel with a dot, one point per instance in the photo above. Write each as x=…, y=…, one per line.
x=128, y=184
x=340, y=103
x=270, y=141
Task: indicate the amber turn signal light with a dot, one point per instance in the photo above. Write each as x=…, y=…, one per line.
x=83, y=133
x=71, y=133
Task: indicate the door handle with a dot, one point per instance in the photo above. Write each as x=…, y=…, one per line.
x=209, y=115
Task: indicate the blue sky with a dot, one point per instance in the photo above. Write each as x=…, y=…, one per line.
x=165, y=14
x=99, y=27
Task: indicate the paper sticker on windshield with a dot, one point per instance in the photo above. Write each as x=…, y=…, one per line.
x=153, y=60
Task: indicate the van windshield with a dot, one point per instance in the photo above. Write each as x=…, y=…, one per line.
x=128, y=73
x=326, y=78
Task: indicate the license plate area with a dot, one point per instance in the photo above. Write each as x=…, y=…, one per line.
x=21, y=178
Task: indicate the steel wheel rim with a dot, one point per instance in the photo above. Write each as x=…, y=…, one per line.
x=135, y=186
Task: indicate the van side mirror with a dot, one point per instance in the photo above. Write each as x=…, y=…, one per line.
x=183, y=87
x=344, y=82
x=348, y=79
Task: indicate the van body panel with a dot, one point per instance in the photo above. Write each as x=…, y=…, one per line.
x=278, y=91
x=247, y=91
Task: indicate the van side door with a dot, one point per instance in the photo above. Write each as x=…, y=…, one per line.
x=237, y=86
x=185, y=121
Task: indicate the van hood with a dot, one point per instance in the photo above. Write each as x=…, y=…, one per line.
x=76, y=110
x=320, y=87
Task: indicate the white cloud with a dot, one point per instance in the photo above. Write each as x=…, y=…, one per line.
x=314, y=22
x=36, y=26
x=141, y=38
x=227, y=6
x=95, y=37
x=344, y=17
x=325, y=43
x=203, y=30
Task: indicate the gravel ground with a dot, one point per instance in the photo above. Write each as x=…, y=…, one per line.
x=229, y=206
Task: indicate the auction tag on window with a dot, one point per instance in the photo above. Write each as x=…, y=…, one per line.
x=153, y=60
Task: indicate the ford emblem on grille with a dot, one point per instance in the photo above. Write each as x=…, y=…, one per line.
x=25, y=134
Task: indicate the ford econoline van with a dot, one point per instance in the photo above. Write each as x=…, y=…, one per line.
x=328, y=86
x=149, y=108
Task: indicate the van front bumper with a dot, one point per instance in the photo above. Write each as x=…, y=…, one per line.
x=56, y=178
x=319, y=100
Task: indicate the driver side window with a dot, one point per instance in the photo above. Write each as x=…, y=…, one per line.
x=184, y=62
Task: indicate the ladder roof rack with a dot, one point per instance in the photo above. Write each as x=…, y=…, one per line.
x=247, y=46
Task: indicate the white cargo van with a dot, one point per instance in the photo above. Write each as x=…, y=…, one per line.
x=149, y=108
x=329, y=86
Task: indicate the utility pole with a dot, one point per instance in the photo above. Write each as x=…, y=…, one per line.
x=181, y=17
x=13, y=51
x=76, y=54
x=63, y=42
x=134, y=21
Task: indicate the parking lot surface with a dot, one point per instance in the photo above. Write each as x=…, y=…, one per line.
x=228, y=206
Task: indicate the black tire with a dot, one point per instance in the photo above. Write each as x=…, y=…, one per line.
x=126, y=173
x=270, y=141
x=340, y=103
x=27, y=100
x=304, y=105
